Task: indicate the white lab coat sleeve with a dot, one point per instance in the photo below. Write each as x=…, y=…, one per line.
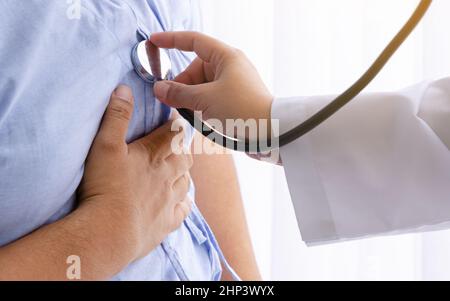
x=380, y=166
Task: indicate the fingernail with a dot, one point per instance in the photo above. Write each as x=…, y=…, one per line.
x=161, y=90
x=181, y=143
x=124, y=93
x=153, y=35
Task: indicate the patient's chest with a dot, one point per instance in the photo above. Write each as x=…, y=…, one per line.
x=56, y=78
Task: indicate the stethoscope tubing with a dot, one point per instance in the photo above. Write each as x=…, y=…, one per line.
x=264, y=147
x=324, y=114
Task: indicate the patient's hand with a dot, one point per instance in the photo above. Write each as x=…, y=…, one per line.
x=132, y=196
x=141, y=187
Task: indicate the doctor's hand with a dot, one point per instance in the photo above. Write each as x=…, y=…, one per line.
x=221, y=83
x=138, y=189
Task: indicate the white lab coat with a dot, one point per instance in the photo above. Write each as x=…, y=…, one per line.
x=379, y=166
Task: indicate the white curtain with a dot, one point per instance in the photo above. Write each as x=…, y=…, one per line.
x=310, y=47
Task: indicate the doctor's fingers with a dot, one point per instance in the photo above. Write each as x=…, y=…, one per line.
x=207, y=48
x=178, y=95
x=159, y=143
x=198, y=72
x=116, y=119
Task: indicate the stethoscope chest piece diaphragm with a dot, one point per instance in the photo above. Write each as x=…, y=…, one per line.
x=151, y=63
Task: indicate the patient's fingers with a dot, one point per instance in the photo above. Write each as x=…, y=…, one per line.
x=159, y=142
x=182, y=210
x=181, y=186
x=117, y=117
x=208, y=49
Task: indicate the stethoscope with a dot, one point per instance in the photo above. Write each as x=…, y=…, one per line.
x=153, y=64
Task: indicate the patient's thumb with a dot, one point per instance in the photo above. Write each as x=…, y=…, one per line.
x=117, y=117
x=177, y=95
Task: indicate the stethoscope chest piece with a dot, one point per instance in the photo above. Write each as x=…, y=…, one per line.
x=151, y=63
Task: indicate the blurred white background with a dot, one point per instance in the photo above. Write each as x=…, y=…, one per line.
x=309, y=47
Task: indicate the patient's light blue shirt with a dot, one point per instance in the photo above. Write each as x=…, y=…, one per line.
x=56, y=77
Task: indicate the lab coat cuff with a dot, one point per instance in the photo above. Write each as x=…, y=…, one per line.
x=390, y=200
x=308, y=195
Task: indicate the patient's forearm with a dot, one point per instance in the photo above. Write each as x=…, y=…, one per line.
x=87, y=233
x=218, y=197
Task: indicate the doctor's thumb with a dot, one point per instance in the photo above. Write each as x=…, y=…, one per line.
x=177, y=95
